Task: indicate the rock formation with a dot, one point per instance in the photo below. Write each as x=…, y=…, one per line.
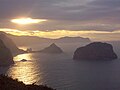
x=95, y=51
x=53, y=48
x=29, y=50
x=6, y=57
x=10, y=44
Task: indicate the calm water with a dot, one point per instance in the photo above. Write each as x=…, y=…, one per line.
x=63, y=73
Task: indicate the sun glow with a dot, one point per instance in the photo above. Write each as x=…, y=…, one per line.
x=27, y=21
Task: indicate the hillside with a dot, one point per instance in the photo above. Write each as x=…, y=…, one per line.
x=30, y=40
x=9, y=43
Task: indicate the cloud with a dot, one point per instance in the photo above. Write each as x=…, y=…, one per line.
x=93, y=35
x=99, y=15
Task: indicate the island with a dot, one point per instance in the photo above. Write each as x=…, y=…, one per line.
x=53, y=48
x=95, y=51
x=6, y=57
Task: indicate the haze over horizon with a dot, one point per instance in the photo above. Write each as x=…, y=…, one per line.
x=94, y=19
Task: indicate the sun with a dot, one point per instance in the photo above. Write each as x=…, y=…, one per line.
x=27, y=21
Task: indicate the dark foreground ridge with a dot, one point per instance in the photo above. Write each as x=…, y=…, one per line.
x=7, y=83
x=95, y=51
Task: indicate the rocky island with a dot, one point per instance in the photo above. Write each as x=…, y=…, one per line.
x=6, y=57
x=95, y=51
x=53, y=48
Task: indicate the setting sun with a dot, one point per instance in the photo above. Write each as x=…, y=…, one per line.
x=27, y=21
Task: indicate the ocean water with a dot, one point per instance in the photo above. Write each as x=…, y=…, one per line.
x=61, y=72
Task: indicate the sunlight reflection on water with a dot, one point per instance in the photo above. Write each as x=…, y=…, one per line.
x=62, y=73
x=25, y=71
x=23, y=56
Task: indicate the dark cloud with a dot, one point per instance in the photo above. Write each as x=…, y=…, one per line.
x=63, y=14
x=106, y=3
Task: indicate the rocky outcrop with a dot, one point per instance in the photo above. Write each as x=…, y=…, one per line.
x=10, y=44
x=95, y=51
x=6, y=57
x=53, y=48
x=7, y=83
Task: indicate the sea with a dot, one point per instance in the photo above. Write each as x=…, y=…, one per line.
x=61, y=72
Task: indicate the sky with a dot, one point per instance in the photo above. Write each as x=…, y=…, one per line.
x=96, y=19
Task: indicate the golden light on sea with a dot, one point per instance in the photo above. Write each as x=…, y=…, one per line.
x=23, y=56
x=26, y=72
x=24, y=21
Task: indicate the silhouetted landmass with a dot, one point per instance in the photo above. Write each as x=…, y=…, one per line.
x=6, y=57
x=23, y=60
x=30, y=40
x=7, y=83
x=10, y=44
x=72, y=39
x=53, y=48
x=95, y=51
x=29, y=50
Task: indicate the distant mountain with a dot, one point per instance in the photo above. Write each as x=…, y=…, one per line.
x=30, y=40
x=6, y=57
x=53, y=48
x=72, y=39
x=10, y=44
